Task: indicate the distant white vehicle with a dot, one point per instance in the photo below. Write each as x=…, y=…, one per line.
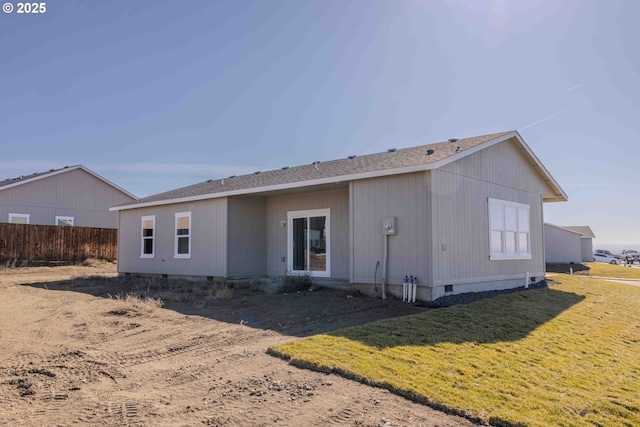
x=603, y=251
x=608, y=258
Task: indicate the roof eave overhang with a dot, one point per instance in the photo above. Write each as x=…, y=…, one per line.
x=287, y=186
x=564, y=229
x=64, y=170
x=560, y=194
x=554, y=198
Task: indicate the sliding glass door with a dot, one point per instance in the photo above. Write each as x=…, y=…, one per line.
x=308, y=242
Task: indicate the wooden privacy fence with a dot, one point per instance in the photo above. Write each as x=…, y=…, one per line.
x=27, y=242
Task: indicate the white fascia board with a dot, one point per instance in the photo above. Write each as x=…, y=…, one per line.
x=564, y=229
x=561, y=196
x=45, y=175
x=63, y=170
x=287, y=186
x=328, y=180
x=106, y=181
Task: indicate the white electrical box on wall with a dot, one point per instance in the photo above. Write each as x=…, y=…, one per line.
x=389, y=225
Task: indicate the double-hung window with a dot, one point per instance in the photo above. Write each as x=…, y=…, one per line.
x=17, y=218
x=509, y=230
x=183, y=235
x=148, y=236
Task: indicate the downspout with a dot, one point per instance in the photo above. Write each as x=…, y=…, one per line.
x=544, y=255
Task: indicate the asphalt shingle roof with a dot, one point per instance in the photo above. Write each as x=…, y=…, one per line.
x=10, y=181
x=400, y=158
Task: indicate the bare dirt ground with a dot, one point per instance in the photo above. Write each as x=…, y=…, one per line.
x=72, y=355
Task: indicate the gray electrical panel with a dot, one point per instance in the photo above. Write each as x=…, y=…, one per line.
x=389, y=225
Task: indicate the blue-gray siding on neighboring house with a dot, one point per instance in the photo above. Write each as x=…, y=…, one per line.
x=69, y=193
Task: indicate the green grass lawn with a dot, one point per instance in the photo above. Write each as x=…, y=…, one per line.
x=568, y=355
x=608, y=270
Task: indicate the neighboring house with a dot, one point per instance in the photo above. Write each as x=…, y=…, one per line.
x=72, y=195
x=463, y=216
x=562, y=245
x=586, y=241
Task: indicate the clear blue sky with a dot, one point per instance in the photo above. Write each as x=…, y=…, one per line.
x=155, y=95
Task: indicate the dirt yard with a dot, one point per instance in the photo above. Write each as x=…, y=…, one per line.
x=75, y=352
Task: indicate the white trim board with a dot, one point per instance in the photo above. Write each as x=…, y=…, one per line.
x=291, y=215
x=560, y=194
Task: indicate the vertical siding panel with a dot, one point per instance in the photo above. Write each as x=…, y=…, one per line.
x=402, y=196
x=427, y=240
x=504, y=163
x=247, y=238
x=208, y=234
x=74, y=193
x=277, y=208
x=561, y=245
x=466, y=232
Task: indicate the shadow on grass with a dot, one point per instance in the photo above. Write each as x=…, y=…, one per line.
x=341, y=313
x=297, y=314
x=504, y=318
x=567, y=268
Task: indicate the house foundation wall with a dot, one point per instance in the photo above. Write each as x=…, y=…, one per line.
x=423, y=293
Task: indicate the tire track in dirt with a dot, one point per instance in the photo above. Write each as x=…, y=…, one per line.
x=212, y=346
x=102, y=361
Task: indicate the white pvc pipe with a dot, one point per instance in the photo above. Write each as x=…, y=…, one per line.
x=415, y=288
x=404, y=289
x=384, y=266
x=526, y=281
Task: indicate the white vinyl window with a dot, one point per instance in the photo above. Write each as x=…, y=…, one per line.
x=308, y=242
x=148, y=237
x=509, y=230
x=64, y=220
x=18, y=218
x=183, y=235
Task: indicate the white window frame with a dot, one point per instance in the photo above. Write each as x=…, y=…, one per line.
x=503, y=255
x=176, y=236
x=68, y=218
x=153, y=237
x=307, y=214
x=19, y=215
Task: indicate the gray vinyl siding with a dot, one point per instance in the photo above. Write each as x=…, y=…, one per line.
x=504, y=163
x=586, y=245
x=277, y=208
x=461, y=230
x=75, y=193
x=247, y=242
x=561, y=245
x=459, y=201
x=406, y=198
x=208, y=244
